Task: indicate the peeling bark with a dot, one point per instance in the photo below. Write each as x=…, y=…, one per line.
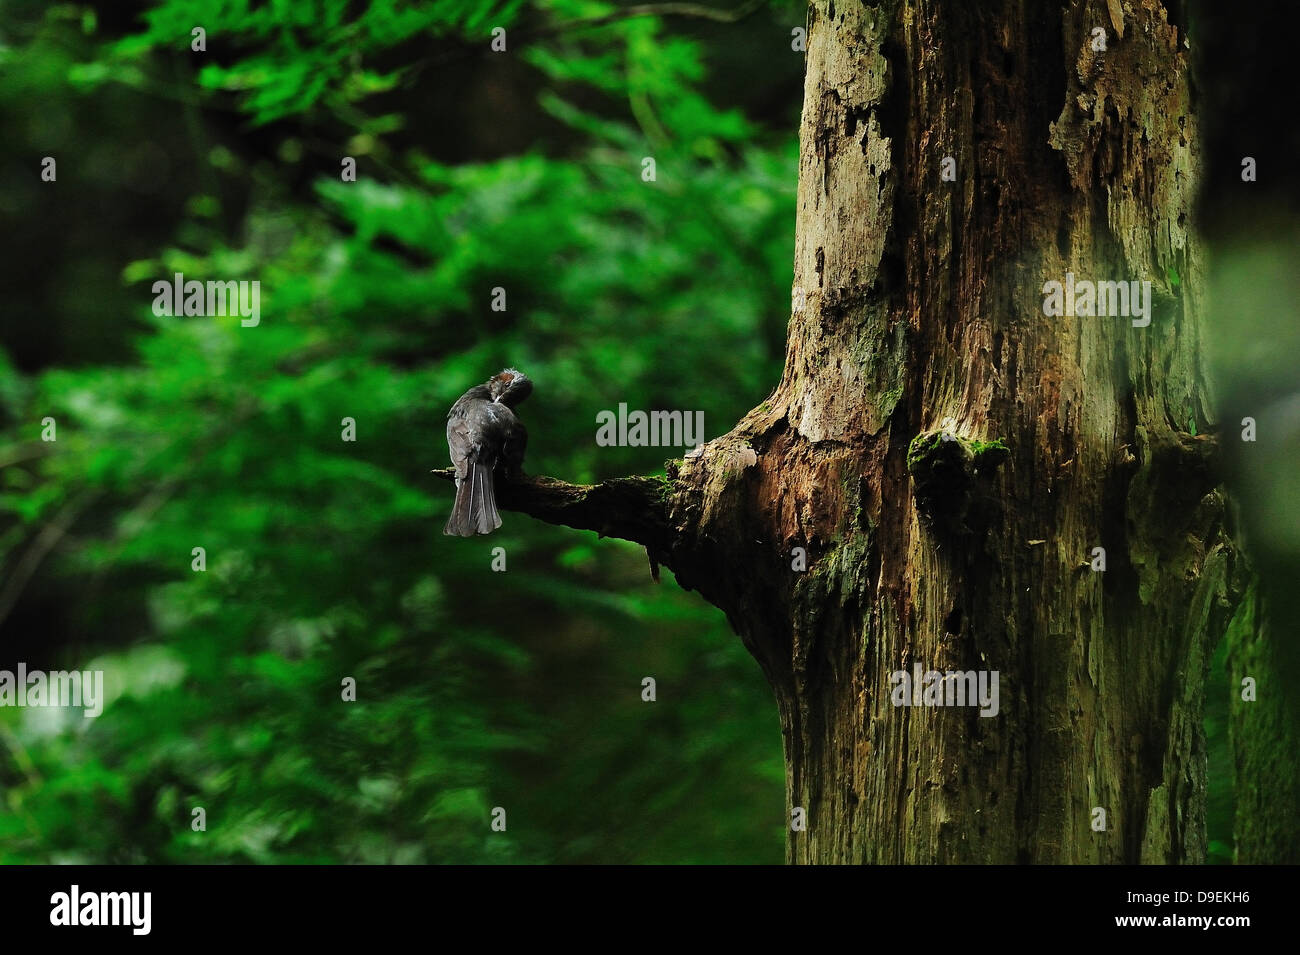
x=924, y=313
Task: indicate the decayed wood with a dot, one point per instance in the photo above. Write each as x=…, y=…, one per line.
x=924, y=315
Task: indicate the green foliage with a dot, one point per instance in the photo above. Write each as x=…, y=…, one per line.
x=325, y=558
x=296, y=54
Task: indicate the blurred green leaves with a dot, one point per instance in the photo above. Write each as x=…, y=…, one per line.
x=325, y=559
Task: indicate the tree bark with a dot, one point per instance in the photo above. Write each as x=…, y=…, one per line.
x=1032, y=440
x=924, y=313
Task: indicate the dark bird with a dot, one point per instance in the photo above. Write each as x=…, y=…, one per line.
x=485, y=437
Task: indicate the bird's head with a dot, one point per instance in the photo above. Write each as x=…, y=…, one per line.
x=510, y=387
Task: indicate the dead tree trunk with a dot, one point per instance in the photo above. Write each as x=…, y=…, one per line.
x=948, y=456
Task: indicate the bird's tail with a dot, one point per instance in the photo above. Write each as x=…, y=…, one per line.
x=475, y=510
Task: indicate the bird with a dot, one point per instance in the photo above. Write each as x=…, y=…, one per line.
x=485, y=437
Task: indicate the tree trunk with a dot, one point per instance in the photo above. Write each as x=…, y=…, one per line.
x=946, y=456
x=925, y=314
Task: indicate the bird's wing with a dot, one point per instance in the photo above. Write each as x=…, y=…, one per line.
x=463, y=441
